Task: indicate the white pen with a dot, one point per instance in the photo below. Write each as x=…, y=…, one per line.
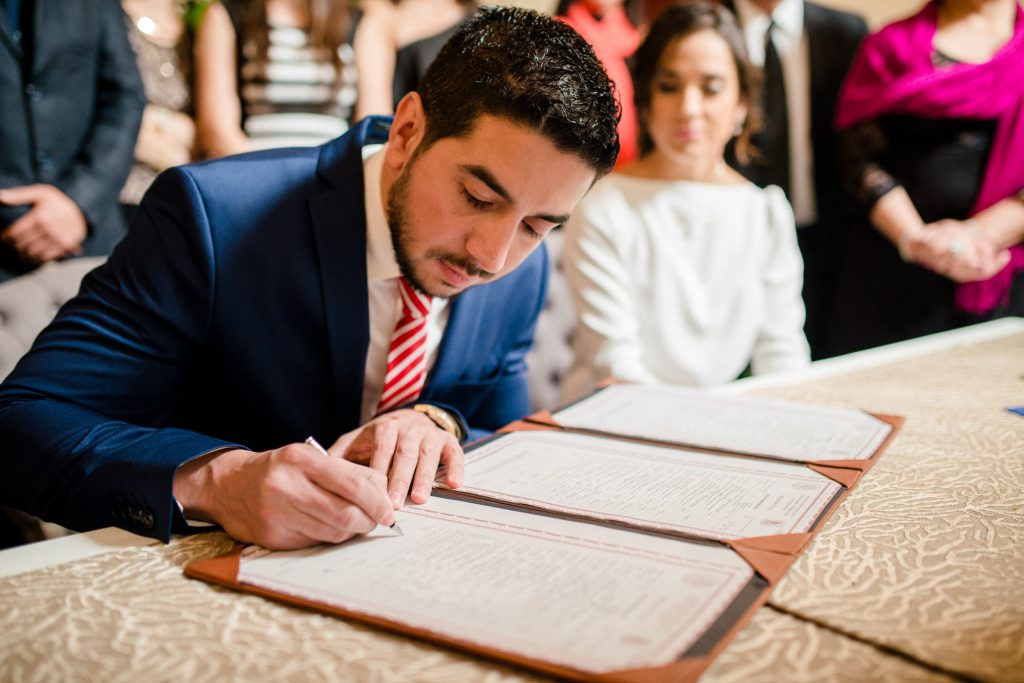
x=316, y=444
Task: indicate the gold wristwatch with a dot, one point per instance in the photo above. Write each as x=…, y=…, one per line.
x=442, y=418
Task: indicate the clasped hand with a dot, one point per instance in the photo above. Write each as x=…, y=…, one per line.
x=957, y=250
x=53, y=227
x=292, y=497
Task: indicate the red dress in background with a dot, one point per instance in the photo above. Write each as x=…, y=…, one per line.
x=614, y=40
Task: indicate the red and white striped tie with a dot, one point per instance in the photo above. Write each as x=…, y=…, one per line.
x=407, y=357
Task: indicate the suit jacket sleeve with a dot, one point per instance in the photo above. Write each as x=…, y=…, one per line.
x=95, y=179
x=83, y=415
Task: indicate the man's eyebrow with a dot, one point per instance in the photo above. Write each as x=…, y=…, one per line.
x=488, y=179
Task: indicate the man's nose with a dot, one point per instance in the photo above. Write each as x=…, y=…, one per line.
x=490, y=242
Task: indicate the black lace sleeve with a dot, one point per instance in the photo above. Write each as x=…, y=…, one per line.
x=863, y=147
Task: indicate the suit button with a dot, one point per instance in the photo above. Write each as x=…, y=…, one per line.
x=44, y=160
x=30, y=90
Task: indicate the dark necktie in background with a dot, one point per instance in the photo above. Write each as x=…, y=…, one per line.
x=774, y=138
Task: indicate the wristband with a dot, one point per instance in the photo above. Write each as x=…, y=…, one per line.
x=442, y=418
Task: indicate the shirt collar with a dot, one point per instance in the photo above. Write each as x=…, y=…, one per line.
x=380, y=253
x=788, y=16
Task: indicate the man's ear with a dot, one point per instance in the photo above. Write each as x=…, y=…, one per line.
x=406, y=132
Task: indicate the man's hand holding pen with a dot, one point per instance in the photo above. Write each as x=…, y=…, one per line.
x=293, y=497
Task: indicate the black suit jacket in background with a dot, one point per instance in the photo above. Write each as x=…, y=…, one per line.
x=833, y=37
x=71, y=103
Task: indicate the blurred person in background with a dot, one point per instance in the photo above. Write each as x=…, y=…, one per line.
x=682, y=271
x=162, y=42
x=396, y=42
x=804, y=51
x=274, y=73
x=70, y=105
x=933, y=115
x=607, y=27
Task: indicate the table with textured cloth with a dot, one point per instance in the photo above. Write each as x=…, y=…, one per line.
x=919, y=576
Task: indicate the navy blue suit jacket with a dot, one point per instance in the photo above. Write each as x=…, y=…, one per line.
x=234, y=313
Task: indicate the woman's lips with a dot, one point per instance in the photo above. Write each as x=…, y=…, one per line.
x=688, y=134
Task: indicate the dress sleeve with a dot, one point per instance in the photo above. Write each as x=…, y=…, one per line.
x=607, y=342
x=863, y=147
x=781, y=345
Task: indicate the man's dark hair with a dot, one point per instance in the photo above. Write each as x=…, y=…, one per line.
x=528, y=68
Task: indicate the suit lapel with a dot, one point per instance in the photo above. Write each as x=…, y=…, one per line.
x=338, y=219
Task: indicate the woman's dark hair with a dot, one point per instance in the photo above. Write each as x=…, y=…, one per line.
x=677, y=21
x=330, y=24
x=525, y=67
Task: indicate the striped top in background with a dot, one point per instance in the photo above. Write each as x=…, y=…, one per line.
x=292, y=100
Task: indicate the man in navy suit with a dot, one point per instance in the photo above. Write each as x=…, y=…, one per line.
x=254, y=300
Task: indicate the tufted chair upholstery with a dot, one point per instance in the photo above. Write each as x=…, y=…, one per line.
x=29, y=302
x=551, y=355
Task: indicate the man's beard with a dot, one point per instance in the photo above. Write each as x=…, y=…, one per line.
x=398, y=199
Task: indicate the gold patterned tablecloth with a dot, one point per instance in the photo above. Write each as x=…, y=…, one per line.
x=927, y=555
x=918, y=577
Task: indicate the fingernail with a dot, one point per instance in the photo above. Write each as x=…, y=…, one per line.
x=396, y=499
x=422, y=490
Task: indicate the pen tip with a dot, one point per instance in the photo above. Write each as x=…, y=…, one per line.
x=397, y=529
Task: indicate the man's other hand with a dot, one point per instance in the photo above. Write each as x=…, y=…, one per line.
x=408, y=447
x=53, y=227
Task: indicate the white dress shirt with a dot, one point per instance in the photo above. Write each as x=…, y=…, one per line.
x=791, y=43
x=684, y=283
x=384, y=301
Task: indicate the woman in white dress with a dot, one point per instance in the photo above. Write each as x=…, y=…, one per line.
x=683, y=272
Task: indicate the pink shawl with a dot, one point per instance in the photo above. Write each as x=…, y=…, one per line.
x=893, y=74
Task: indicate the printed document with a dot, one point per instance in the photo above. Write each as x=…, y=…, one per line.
x=707, y=495
x=756, y=426
x=570, y=593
